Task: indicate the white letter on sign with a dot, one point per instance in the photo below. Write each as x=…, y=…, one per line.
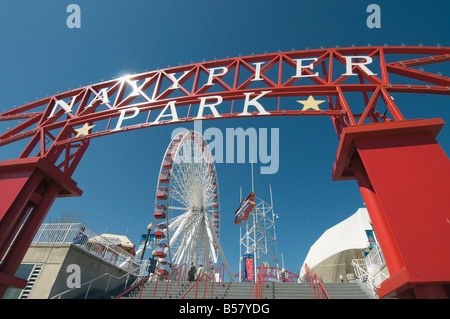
x=212, y=106
x=123, y=117
x=175, y=84
x=66, y=107
x=213, y=74
x=258, y=71
x=255, y=103
x=173, y=113
x=349, y=64
x=101, y=96
x=300, y=67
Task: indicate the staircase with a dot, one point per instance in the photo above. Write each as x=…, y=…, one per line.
x=244, y=290
x=346, y=291
x=239, y=290
x=25, y=294
x=174, y=291
x=292, y=291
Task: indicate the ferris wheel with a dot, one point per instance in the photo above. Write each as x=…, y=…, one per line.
x=187, y=213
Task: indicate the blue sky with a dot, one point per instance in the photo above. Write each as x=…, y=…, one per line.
x=41, y=56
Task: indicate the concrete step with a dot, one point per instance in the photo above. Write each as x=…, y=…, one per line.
x=245, y=290
x=346, y=291
x=174, y=290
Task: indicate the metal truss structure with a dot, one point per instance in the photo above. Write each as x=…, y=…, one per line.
x=378, y=147
x=258, y=237
x=59, y=127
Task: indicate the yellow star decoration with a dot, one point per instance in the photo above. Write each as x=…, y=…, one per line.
x=310, y=103
x=84, y=130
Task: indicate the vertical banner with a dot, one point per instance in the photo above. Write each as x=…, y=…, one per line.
x=142, y=242
x=248, y=268
x=371, y=238
x=150, y=240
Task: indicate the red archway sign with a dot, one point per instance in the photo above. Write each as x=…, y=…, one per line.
x=402, y=172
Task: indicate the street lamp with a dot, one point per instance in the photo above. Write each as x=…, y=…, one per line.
x=149, y=229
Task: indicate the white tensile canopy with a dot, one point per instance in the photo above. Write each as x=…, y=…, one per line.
x=348, y=234
x=118, y=240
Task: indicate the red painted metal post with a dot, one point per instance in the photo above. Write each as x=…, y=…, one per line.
x=404, y=176
x=384, y=235
x=17, y=193
x=140, y=290
x=29, y=188
x=20, y=245
x=156, y=284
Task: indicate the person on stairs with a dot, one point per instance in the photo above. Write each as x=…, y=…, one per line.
x=200, y=273
x=191, y=272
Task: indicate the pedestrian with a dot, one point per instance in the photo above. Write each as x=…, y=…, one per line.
x=200, y=273
x=283, y=275
x=191, y=272
x=81, y=239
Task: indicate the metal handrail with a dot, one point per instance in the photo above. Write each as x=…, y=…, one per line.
x=361, y=272
x=67, y=233
x=368, y=270
x=90, y=282
x=178, y=269
x=206, y=278
x=204, y=275
x=143, y=281
x=316, y=284
x=259, y=283
x=363, y=275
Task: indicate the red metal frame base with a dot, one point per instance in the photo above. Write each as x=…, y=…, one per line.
x=29, y=187
x=404, y=178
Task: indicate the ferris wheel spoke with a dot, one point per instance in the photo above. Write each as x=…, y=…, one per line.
x=188, y=240
x=178, y=227
x=179, y=208
x=211, y=241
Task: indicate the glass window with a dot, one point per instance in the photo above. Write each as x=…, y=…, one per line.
x=23, y=272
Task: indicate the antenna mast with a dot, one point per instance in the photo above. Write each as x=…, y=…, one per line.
x=257, y=234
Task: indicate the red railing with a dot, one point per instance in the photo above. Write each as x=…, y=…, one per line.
x=316, y=284
x=205, y=279
x=273, y=274
x=259, y=283
x=181, y=275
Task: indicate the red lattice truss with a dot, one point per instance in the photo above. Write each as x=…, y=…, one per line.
x=51, y=124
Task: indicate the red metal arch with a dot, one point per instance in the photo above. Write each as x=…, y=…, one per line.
x=51, y=123
x=59, y=128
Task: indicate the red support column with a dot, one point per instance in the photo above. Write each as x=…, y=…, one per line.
x=29, y=187
x=17, y=188
x=14, y=257
x=381, y=226
x=404, y=177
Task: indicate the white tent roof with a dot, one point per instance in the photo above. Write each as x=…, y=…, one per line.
x=348, y=234
x=118, y=240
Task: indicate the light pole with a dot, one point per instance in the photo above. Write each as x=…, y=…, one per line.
x=149, y=229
